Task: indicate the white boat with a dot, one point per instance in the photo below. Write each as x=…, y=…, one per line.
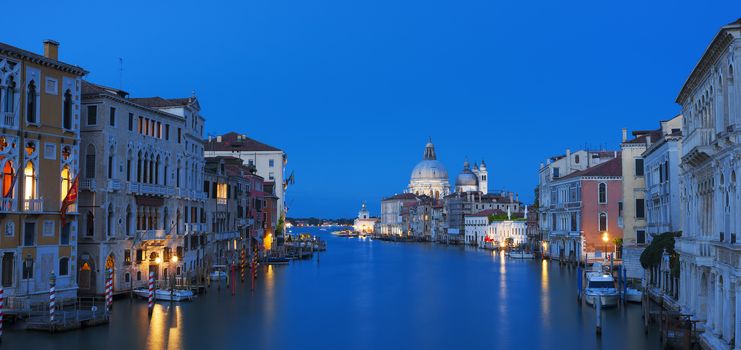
x=218, y=272
x=633, y=295
x=166, y=294
x=519, y=254
x=602, y=286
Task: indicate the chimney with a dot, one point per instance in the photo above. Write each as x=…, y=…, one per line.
x=209, y=138
x=648, y=140
x=625, y=134
x=218, y=138
x=51, y=49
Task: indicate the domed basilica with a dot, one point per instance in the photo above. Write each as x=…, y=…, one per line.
x=430, y=177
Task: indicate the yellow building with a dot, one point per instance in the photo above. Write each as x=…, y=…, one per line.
x=39, y=137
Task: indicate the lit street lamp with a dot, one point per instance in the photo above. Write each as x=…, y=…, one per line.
x=605, y=239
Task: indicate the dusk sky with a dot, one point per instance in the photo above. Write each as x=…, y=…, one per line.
x=351, y=90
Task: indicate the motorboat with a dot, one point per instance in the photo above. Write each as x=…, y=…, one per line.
x=166, y=294
x=275, y=261
x=345, y=233
x=602, y=286
x=218, y=272
x=520, y=254
x=633, y=295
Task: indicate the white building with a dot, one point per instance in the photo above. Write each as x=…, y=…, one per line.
x=476, y=227
x=501, y=231
x=709, y=252
x=269, y=161
x=661, y=165
x=364, y=223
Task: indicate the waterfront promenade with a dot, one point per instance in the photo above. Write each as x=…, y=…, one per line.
x=365, y=294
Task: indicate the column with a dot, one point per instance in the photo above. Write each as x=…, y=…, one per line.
x=726, y=301
x=710, y=302
x=717, y=308
x=736, y=318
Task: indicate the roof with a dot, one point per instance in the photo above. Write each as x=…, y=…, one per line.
x=486, y=213
x=612, y=167
x=642, y=134
x=19, y=53
x=232, y=141
x=402, y=196
x=159, y=102
x=89, y=88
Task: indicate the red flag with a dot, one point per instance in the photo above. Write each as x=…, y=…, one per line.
x=9, y=193
x=69, y=199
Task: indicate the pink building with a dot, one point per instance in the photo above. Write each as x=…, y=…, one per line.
x=584, y=209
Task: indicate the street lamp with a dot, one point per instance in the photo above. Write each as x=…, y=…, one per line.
x=605, y=239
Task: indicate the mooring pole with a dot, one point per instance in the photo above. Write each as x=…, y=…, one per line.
x=598, y=306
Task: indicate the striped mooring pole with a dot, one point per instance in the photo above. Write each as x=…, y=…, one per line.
x=243, y=264
x=52, y=296
x=2, y=306
x=150, y=304
x=109, y=290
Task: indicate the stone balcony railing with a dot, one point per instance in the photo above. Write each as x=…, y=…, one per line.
x=7, y=205
x=150, y=189
x=88, y=184
x=151, y=235
x=697, y=138
x=35, y=205
x=114, y=185
x=8, y=120
x=224, y=236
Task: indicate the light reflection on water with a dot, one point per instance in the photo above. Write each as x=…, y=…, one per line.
x=368, y=294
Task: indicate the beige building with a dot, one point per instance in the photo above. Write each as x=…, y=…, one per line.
x=39, y=141
x=364, y=223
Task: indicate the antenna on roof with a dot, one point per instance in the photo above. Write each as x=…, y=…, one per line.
x=120, y=73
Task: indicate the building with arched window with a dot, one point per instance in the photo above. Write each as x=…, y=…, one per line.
x=38, y=158
x=137, y=192
x=709, y=283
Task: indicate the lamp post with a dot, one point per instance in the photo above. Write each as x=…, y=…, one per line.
x=174, y=260
x=605, y=239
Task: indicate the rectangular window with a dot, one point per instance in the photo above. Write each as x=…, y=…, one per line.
x=159, y=130
x=64, y=235
x=48, y=228
x=131, y=121
x=139, y=256
x=64, y=266
x=110, y=167
x=641, y=236
x=27, y=269
x=92, y=115
x=620, y=209
x=29, y=234
x=271, y=163
x=127, y=257
x=270, y=176
x=555, y=173
x=639, y=166
x=666, y=170
x=112, y=117
x=640, y=209
x=574, y=227
x=553, y=222
x=8, y=269
x=167, y=132
x=179, y=135
x=140, y=126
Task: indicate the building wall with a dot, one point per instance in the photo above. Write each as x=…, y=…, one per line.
x=633, y=189
x=591, y=210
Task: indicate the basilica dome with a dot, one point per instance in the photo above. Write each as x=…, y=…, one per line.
x=429, y=177
x=429, y=170
x=466, y=180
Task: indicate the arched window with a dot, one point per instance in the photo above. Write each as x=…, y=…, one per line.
x=66, y=182
x=67, y=110
x=64, y=266
x=109, y=222
x=128, y=221
x=602, y=188
x=90, y=223
x=29, y=189
x=10, y=96
x=31, y=102
x=602, y=222
x=90, y=162
x=8, y=180
x=139, y=167
x=576, y=159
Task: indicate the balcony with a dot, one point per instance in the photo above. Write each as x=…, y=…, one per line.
x=150, y=189
x=697, y=146
x=225, y=236
x=35, y=205
x=8, y=120
x=151, y=235
x=114, y=185
x=88, y=184
x=7, y=205
x=221, y=201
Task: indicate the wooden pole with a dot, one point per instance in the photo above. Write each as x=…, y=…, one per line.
x=598, y=306
x=150, y=303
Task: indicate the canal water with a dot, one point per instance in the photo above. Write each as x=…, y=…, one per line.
x=364, y=294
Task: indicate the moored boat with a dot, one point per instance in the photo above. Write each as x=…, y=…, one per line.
x=602, y=286
x=166, y=294
x=218, y=272
x=633, y=295
x=520, y=254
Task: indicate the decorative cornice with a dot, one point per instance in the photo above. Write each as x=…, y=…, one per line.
x=711, y=55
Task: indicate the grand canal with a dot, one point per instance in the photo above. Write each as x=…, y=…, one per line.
x=365, y=294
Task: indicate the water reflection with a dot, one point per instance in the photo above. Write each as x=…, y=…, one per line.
x=545, y=302
x=164, y=328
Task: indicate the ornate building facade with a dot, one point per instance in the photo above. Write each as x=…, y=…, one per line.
x=709, y=251
x=39, y=155
x=429, y=177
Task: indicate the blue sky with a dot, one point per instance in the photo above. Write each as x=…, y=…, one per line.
x=351, y=90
